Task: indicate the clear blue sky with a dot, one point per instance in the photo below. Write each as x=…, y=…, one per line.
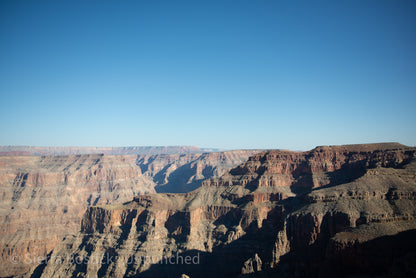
x=226, y=74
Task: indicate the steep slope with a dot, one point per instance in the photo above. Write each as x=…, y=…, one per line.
x=280, y=213
x=183, y=173
x=42, y=199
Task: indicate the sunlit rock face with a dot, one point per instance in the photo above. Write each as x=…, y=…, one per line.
x=43, y=198
x=287, y=214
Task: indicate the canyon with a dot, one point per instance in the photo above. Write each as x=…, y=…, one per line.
x=333, y=211
x=43, y=198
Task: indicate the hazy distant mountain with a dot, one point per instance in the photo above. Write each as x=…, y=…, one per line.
x=139, y=150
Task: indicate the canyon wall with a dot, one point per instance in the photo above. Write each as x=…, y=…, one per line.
x=286, y=214
x=183, y=173
x=43, y=198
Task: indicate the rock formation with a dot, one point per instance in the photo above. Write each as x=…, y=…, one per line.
x=183, y=173
x=43, y=198
x=325, y=212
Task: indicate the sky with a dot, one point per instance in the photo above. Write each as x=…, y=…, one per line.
x=221, y=74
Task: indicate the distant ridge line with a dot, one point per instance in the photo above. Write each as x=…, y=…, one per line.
x=134, y=150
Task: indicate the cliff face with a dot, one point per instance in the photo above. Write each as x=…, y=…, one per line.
x=183, y=173
x=42, y=199
x=319, y=167
x=280, y=213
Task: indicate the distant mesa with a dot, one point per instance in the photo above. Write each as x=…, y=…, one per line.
x=136, y=150
x=15, y=153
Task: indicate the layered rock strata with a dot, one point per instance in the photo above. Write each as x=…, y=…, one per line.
x=43, y=198
x=182, y=173
x=281, y=213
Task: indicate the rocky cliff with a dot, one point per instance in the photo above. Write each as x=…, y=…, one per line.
x=291, y=214
x=183, y=173
x=43, y=198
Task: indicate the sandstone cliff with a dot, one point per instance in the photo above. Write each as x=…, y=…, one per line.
x=183, y=173
x=43, y=198
x=291, y=214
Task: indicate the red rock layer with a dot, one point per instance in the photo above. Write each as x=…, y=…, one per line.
x=318, y=167
x=244, y=225
x=42, y=199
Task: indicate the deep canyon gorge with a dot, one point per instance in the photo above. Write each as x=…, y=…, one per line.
x=43, y=198
x=332, y=211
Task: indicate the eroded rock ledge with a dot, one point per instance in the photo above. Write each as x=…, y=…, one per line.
x=43, y=198
x=281, y=213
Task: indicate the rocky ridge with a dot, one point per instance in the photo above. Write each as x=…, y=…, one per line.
x=43, y=198
x=292, y=214
x=137, y=150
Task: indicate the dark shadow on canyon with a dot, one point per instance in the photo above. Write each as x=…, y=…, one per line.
x=225, y=260
x=386, y=256
x=383, y=257
x=179, y=181
x=39, y=269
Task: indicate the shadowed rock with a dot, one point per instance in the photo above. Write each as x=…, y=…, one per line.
x=43, y=198
x=255, y=221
